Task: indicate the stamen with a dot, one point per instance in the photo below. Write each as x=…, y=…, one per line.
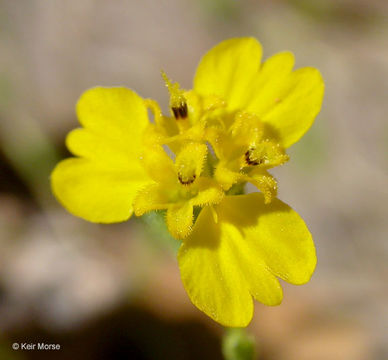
x=189, y=162
x=266, y=153
x=178, y=102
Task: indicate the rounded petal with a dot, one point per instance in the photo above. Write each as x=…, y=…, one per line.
x=110, y=116
x=270, y=83
x=227, y=70
x=221, y=270
x=287, y=101
x=95, y=192
x=102, y=149
x=224, y=264
x=277, y=232
x=210, y=277
x=297, y=108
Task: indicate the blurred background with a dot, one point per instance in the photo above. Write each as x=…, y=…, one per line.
x=113, y=291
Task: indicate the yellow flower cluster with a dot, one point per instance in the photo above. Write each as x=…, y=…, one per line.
x=231, y=128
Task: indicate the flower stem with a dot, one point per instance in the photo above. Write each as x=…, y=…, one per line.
x=237, y=344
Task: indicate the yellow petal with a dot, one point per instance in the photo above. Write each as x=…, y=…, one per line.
x=280, y=235
x=227, y=69
x=286, y=101
x=270, y=83
x=180, y=219
x=223, y=265
x=151, y=197
x=221, y=273
x=296, y=110
x=95, y=193
x=209, y=275
x=110, y=116
x=100, y=149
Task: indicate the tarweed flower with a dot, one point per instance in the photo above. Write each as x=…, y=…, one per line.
x=231, y=128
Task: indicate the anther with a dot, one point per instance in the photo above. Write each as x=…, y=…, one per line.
x=178, y=103
x=180, y=112
x=187, y=182
x=250, y=161
x=266, y=153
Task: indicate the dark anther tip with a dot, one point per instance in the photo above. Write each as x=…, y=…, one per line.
x=248, y=159
x=180, y=112
x=187, y=182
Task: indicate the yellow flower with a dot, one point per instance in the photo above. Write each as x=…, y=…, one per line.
x=231, y=128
